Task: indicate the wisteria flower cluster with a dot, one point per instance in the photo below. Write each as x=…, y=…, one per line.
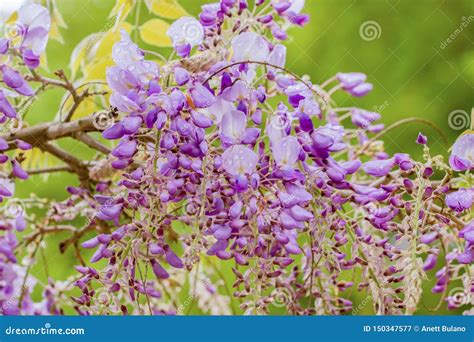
x=224, y=158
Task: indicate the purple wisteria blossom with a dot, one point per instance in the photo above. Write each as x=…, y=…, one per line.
x=462, y=153
x=186, y=32
x=250, y=46
x=13, y=79
x=239, y=160
x=460, y=200
x=33, y=25
x=218, y=155
x=421, y=139
x=5, y=106
x=286, y=152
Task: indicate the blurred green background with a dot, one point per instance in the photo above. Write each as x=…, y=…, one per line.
x=415, y=72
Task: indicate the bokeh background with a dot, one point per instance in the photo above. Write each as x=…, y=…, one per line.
x=419, y=56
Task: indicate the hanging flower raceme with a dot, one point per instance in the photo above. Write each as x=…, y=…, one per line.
x=222, y=155
x=31, y=34
x=24, y=47
x=28, y=42
x=462, y=153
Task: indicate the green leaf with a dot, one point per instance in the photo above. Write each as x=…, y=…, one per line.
x=153, y=32
x=169, y=9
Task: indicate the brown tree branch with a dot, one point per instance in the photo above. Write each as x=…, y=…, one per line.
x=77, y=165
x=91, y=142
x=51, y=169
x=45, y=230
x=397, y=124
x=77, y=102
x=35, y=77
x=47, y=131
x=65, y=83
x=68, y=85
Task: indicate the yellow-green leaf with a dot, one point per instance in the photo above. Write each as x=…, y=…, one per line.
x=109, y=38
x=153, y=32
x=169, y=9
x=55, y=34
x=44, y=62
x=121, y=9
x=95, y=70
x=57, y=21
x=79, y=54
x=37, y=159
x=86, y=107
x=12, y=18
x=57, y=16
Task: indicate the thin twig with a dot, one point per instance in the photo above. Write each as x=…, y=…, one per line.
x=91, y=142
x=398, y=124
x=39, y=134
x=77, y=103
x=269, y=65
x=77, y=165
x=50, y=170
x=27, y=273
